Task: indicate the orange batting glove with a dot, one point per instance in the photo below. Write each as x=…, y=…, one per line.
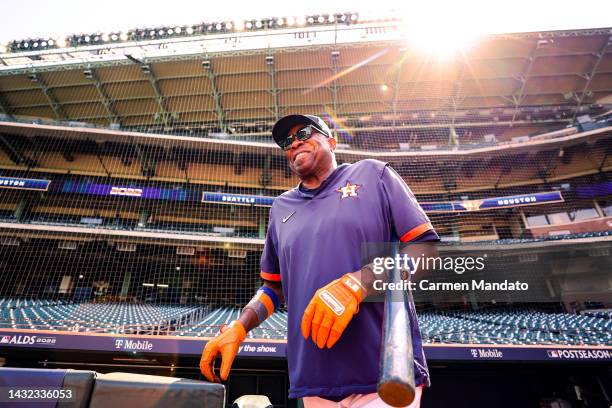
x=227, y=343
x=331, y=309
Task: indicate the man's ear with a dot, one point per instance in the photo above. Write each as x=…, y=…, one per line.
x=332, y=143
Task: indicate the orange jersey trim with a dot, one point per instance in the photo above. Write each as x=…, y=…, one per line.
x=416, y=231
x=274, y=277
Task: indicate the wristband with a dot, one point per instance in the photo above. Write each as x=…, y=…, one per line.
x=264, y=303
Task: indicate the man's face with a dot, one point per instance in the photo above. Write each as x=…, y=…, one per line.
x=310, y=156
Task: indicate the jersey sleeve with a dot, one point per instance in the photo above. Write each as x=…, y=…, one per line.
x=270, y=269
x=408, y=219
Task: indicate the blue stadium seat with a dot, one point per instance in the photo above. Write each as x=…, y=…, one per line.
x=520, y=327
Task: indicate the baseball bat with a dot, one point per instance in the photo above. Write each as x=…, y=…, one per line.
x=396, y=376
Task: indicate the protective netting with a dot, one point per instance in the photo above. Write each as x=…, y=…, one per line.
x=134, y=197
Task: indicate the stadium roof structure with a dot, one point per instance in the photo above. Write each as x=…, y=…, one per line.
x=243, y=82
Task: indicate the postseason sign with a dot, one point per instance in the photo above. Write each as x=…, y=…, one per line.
x=493, y=203
x=24, y=184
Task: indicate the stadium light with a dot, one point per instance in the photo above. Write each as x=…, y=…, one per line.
x=165, y=32
x=445, y=35
x=384, y=87
x=28, y=45
x=442, y=43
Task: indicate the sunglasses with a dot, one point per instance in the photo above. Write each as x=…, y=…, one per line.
x=303, y=134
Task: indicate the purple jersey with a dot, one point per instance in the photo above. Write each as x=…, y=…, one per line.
x=315, y=237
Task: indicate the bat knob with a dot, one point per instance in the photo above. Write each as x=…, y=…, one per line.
x=396, y=394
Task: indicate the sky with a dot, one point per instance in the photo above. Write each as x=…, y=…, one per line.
x=54, y=18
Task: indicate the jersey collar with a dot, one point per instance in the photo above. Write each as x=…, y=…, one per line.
x=309, y=194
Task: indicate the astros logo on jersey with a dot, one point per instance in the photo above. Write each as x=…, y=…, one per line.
x=350, y=190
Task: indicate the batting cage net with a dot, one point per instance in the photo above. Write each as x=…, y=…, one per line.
x=136, y=178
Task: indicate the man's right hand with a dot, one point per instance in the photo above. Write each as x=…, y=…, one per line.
x=227, y=343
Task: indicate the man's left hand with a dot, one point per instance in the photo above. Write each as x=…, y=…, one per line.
x=331, y=309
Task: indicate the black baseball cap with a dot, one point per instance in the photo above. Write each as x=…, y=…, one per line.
x=281, y=128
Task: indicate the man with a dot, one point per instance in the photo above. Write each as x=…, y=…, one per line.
x=312, y=261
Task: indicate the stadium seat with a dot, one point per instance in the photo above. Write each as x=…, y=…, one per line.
x=91, y=389
x=143, y=391
x=519, y=327
x=78, y=381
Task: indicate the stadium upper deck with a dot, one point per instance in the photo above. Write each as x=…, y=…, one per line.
x=551, y=156
x=134, y=180
x=364, y=76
